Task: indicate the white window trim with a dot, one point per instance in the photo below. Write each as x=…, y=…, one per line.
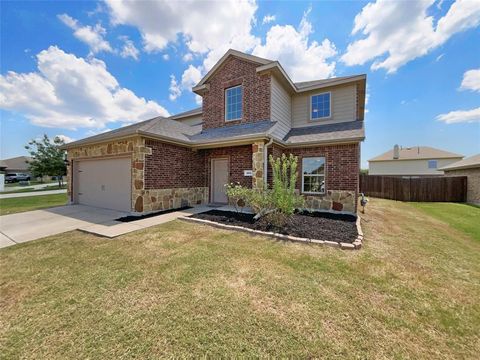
x=318, y=175
x=323, y=117
x=436, y=164
x=225, y=103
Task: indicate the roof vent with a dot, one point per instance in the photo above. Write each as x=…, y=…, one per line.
x=396, y=152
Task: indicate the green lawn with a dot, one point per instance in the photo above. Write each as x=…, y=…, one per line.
x=462, y=217
x=30, y=189
x=32, y=182
x=186, y=290
x=27, y=203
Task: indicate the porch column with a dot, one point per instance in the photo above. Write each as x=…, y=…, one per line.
x=257, y=164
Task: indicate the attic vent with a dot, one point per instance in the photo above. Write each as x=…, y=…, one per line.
x=396, y=152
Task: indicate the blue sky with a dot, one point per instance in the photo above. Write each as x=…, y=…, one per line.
x=79, y=68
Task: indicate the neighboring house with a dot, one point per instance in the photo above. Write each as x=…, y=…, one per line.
x=411, y=161
x=469, y=167
x=17, y=164
x=251, y=108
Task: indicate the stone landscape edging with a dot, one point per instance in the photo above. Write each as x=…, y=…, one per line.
x=356, y=245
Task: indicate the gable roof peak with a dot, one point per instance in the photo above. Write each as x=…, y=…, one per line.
x=229, y=53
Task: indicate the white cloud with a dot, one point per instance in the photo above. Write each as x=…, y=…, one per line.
x=460, y=116
x=166, y=57
x=187, y=57
x=267, y=19
x=396, y=32
x=71, y=92
x=92, y=36
x=190, y=78
x=471, y=80
x=175, y=89
x=161, y=22
x=439, y=57
x=303, y=59
x=129, y=49
x=66, y=139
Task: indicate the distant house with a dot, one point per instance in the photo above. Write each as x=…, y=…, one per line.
x=469, y=167
x=411, y=161
x=16, y=165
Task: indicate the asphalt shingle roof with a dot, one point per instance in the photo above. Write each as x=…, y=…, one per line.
x=328, y=132
x=195, y=111
x=227, y=132
x=157, y=126
x=306, y=84
x=417, y=153
x=16, y=163
x=467, y=163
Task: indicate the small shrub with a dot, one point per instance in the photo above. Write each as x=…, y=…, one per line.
x=237, y=196
x=277, y=203
x=284, y=177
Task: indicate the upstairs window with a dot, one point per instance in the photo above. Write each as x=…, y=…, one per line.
x=313, y=175
x=432, y=164
x=320, y=106
x=233, y=103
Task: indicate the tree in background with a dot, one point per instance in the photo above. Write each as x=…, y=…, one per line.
x=48, y=158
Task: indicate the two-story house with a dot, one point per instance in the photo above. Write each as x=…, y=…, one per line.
x=251, y=109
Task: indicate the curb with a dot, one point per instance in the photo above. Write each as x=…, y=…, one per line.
x=356, y=245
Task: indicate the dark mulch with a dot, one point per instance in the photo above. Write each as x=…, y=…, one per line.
x=315, y=225
x=134, y=218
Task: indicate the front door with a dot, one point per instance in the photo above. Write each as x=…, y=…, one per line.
x=219, y=179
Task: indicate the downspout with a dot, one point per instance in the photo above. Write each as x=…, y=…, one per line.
x=265, y=162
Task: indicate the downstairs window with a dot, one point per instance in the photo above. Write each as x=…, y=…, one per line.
x=313, y=175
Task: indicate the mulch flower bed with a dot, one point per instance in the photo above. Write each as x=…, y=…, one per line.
x=315, y=225
x=130, y=218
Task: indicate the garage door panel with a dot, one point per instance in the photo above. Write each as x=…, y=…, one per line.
x=104, y=183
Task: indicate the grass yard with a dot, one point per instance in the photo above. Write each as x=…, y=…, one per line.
x=462, y=217
x=27, y=203
x=186, y=290
x=30, y=189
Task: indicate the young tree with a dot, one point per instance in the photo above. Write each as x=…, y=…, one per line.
x=48, y=158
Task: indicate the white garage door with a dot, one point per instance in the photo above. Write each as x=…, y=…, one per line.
x=104, y=183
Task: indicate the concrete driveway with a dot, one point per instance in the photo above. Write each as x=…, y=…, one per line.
x=31, y=225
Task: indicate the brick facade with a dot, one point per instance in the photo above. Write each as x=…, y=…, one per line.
x=342, y=165
x=240, y=159
x=256, y=93
x=171, y=166
x=341, y=174
x=166, y=176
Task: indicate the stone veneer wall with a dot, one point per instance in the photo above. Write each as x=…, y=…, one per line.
x=337, y=200
x=258, y=150
x=164, y=199
x=135, y=147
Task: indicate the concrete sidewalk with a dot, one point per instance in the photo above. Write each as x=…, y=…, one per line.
x=113, y=229
x=33, y=193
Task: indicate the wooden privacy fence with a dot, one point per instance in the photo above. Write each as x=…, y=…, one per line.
x=429, y=189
